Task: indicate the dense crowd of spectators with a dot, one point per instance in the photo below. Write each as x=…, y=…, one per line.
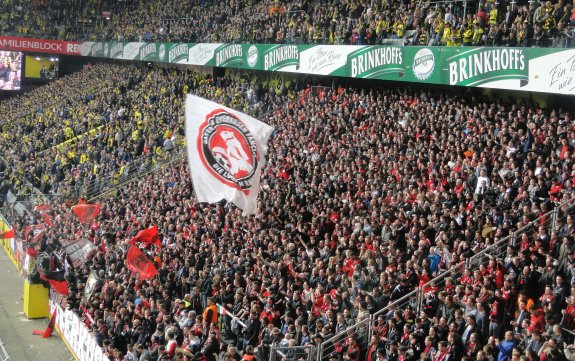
x=368, y=194
x=505, y=23
x=96, y=122
x=41, y=18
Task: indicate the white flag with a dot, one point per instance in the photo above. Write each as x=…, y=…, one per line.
x=226, y=151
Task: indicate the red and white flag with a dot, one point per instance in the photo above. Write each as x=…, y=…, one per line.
x=226, y=151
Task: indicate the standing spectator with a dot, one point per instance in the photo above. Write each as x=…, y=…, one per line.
x=251, y=331
x=210, y=314
x=211, y=348
x=506, y=346
x=496, y=313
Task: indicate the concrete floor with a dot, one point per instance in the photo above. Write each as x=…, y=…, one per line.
x=16, y=329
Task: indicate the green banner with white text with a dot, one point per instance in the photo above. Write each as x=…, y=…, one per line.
x=526, y=69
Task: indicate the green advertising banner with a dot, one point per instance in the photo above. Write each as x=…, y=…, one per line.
x=272, y=58
x=116, y=50
x=527, y=69
x=478, y=66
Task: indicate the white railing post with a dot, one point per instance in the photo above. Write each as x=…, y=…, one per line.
x=554, y=218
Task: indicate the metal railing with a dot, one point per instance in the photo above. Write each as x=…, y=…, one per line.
x=508, y=246
x=14, y=205
x=459, y=12
x=4, y=356
x=296, y=353
x=416, y=298
x=411, y=299
x=135, y=170
x=361, y=332
x=23, y=202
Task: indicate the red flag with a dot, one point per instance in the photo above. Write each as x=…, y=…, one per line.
x=86, y=212
x=31, y=251
x=59, y=286
x=37, y=232
x=47, y=218
x=55, y=278
x=50, y=328
x=138, y=263
x=148, y=236
x=9, y=234
x=42, y=207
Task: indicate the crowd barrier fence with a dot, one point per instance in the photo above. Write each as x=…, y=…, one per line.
x=298, y=353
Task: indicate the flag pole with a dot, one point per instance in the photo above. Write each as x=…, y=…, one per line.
x=2, y=229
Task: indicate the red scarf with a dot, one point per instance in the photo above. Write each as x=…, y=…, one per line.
x=441, y=356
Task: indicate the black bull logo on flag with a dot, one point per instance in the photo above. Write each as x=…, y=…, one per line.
x=138, y=262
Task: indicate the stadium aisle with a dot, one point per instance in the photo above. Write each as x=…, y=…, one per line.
x=16, y=329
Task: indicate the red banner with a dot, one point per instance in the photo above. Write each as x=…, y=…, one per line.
x=56, y=280
x=138, y=263
x=37, y=232
x=39, y=45
x=59, y=286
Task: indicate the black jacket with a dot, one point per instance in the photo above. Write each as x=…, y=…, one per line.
x=252, y=331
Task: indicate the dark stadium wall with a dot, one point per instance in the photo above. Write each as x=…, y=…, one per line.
x=72, y=64
x=545, y=100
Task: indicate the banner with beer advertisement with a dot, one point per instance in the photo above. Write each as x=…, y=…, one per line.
x=526, y=69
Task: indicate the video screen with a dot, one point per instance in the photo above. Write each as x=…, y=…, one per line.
x=40, y=67
x=10, y=70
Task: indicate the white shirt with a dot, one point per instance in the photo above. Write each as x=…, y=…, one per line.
x=479, y=186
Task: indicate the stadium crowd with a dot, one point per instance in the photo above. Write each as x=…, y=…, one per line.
x=74, y=138
x=486, y=23
x=40, y=18
x=368, y=194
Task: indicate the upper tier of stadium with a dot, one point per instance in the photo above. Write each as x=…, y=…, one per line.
x=504, y=23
